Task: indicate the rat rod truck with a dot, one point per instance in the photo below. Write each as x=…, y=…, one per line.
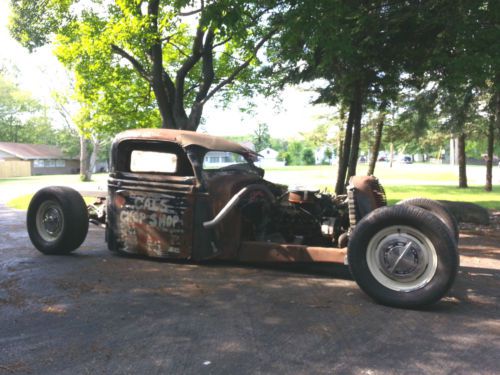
x=183, y=195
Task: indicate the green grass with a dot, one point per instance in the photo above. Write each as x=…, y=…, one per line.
x=421, y=173
x=22, y=202
x=434, y=181
x=473, y=194
x=61, y=179
x=402, y=181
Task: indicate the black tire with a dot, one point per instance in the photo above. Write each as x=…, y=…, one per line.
x=403, y=256
x=57, y=220
x=438, y=209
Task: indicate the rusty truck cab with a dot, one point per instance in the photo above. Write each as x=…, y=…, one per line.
x=160, y=195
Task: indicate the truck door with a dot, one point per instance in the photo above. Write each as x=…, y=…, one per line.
x=152, y=200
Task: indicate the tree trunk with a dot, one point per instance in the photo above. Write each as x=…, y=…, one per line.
x=391, y=154
x=344, y=154
x=85, y=173
x=453, y=152
x=346, y=161
x=376, y=143
x=494, y=120
x=356, y=136
x=489, y=158
x=339, y=151
x=462, y=171
x=93, y=155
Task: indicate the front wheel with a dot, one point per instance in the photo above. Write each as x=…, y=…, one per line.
x=57, y=220
x=403, y=256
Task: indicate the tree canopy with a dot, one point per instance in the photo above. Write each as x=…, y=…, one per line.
x=133, y=58
x=426, y=68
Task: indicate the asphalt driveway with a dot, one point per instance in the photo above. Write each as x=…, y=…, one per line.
x=98, y=313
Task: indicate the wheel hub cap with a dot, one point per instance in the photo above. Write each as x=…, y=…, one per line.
x=49, y=221
x=401, y=258
x=52, y=222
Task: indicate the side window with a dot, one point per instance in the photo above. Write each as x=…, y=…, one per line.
x=153, y=162
x=219, y=159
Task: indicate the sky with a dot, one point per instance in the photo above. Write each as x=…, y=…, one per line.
x=41, y=74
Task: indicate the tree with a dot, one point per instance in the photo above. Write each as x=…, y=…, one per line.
x=379, y=126
x=465, y=63
x=175, y=53
x=308, y=157
x=459, y=110
x=261, y=138
x=357, y=49
x=294, y=153
x=22, y=118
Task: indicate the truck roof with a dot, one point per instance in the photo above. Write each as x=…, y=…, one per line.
x=184, y=138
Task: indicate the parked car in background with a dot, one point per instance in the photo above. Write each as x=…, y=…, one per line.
x=406, y=159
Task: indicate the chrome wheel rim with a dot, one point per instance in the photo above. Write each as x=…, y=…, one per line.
x=401, y=258
x=49, y=221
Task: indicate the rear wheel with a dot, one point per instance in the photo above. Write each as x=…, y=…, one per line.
x=57, y=220
x=437, y=209
x=403, y=256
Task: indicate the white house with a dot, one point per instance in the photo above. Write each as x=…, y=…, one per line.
x=320, y=155
x=218, y=159
x=269, y=158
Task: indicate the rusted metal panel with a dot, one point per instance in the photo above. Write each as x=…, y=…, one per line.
x=221, y=190
x=275, y=252
x=153, y=224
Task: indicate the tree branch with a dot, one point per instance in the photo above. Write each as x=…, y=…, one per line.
x=161, y=81
x=208, y=78
x=240, y=68
x=190, y=13
x=135, y=63
x=189, y=63
x=191, y=89
x=208, y=66
x=178, y=49
x=222, y=42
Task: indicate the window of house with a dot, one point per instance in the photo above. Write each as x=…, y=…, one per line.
x=213, y=159
x=38, y=163
x=60, y=163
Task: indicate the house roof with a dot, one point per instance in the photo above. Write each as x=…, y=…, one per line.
x=269, y=150
x=28, y=151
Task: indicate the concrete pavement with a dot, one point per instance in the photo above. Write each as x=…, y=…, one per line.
x=98, y=313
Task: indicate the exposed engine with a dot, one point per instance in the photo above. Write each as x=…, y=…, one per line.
x=310, y=217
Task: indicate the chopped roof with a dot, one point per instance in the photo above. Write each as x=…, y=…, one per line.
x=29, y=151
x=184, y=138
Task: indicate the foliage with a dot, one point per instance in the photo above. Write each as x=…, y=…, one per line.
x=146, y=63
x=20, y=115
x=293, y=154
x=308, y=157
x=68, y=140
x=24, y=120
